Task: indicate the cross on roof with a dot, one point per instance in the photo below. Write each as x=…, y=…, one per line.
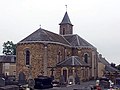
x=66, y=7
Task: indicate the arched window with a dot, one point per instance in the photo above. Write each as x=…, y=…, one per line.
x=86, y=58
x=27, y=57
x=63, y=31
x=65, y=74
x=58, y=57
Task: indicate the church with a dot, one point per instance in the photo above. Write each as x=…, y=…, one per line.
x=65, y=54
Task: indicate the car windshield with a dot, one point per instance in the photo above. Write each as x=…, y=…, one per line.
x=118, y=81
x=104, y=83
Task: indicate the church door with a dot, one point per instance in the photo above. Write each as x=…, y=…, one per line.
x=65, y=75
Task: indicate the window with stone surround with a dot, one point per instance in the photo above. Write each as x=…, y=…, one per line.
x=63, y=31
x=27, y=57
x=7, y=66
x=86, y=58
x=58, y=57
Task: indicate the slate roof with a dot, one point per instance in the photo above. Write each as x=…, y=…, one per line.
x=66, y=19
x=77, y=41
x=104, y=61
x=72, y=61
x=110, y=68
x=7, y=58
x=42, y=35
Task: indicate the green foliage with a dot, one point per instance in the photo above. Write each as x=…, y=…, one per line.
x=113, y=65
x=9, y=48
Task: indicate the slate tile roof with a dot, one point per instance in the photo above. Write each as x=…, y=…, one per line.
x=42, y=35
x=72, y=61
x=104, y=61
x=77, y=41
x=109, y=68
x=7, y=58
x=66, y=19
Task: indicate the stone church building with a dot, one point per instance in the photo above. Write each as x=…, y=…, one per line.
x=65, y=54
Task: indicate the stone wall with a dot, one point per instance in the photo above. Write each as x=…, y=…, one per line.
x=12, y=69
x=37, y=56
x=92, y=60
x=1, y=67
x=55, y=51
x=45, y=56
x=101, y=69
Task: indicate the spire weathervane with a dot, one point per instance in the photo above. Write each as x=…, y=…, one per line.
x=40, y=25
x=66, y=7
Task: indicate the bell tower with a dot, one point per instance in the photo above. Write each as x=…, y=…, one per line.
x=66, y=26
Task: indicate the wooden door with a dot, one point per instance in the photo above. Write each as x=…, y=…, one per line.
x=65, y=75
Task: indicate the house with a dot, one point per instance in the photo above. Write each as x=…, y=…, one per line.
x=105, y=69
x=8, y=64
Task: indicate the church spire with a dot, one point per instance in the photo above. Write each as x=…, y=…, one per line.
x=66, y=26
x=66, y=19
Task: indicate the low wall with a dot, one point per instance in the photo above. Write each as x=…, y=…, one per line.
x=9, y=87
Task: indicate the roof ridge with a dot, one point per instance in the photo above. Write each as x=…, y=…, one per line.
x=45, y=32
x=78, y=61
x=73, y=62
x=64, y=60
x=77, y=40
x=66, y=40
x=85, y=41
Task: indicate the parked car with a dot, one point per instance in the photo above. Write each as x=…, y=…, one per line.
x=10, y=80
x=104, y=83
x=117, y=83
x=43, y=82
x=55, y=83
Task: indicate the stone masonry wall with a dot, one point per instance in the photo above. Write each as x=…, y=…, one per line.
x=45, y=56
x=36, y=57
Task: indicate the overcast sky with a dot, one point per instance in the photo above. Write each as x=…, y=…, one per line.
x=97, y=21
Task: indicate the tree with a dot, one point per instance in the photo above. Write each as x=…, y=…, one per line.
x=9, y=48
x=113, y=65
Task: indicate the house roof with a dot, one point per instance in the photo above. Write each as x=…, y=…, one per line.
x=103, y=60
x=66, y=19
x=42, y=35
x=110, y=68
x=77, y=41
x=7, y=58
x=72, y=61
